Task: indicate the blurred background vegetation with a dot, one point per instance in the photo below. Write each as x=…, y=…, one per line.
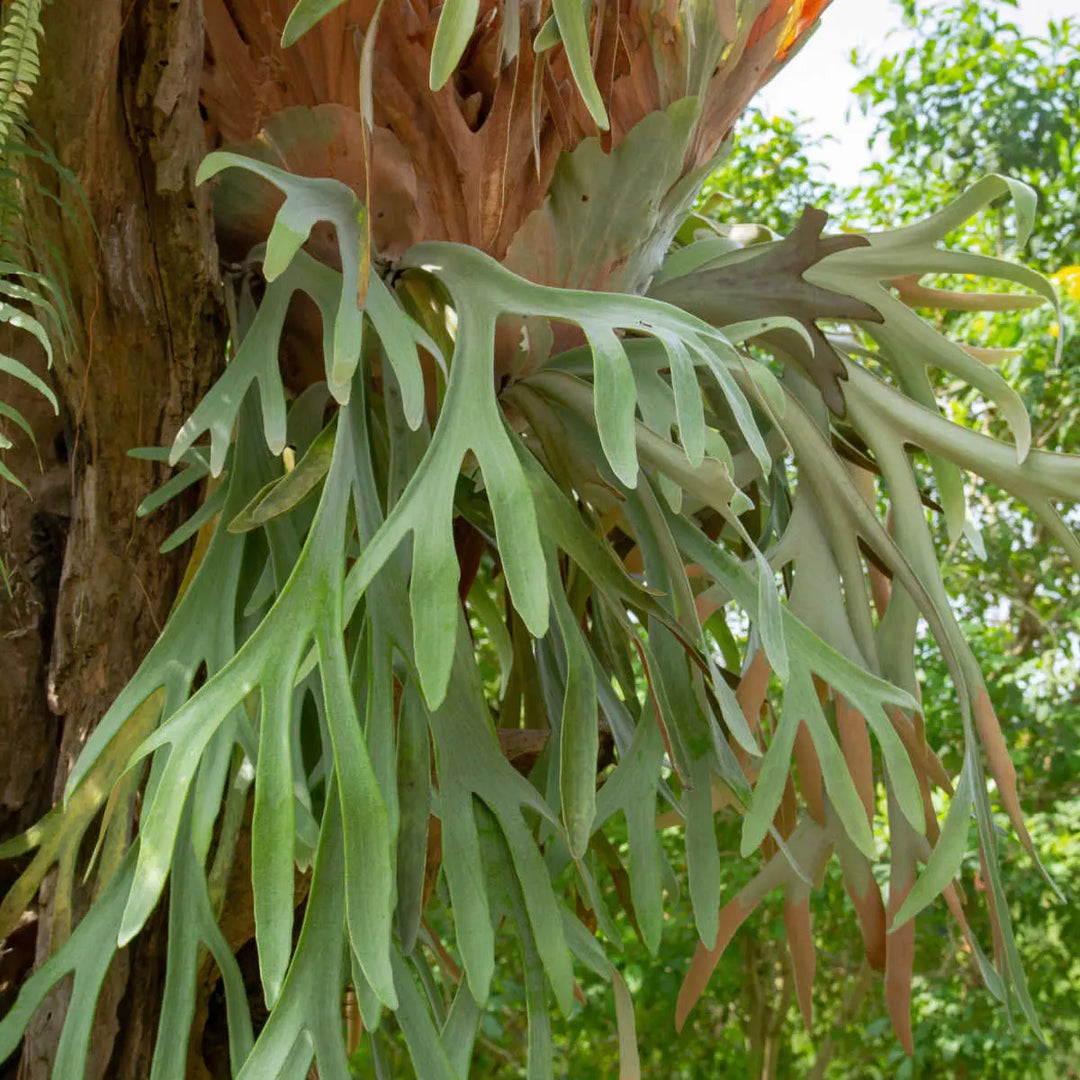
x=966, y=94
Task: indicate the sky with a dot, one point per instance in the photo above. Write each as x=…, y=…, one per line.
x=817, y=83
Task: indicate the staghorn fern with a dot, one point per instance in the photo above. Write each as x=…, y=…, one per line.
x=599, y=498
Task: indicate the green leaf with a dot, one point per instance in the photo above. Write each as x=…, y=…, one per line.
x=472, y=770
x=192, y=923
x=414, y=801
x=304, y=16
x=614, y=399
x=459, y=1031
x=309, y=200
x=631, y=788
x=573, y=29
x=11, y=478
x=198, y=468
x=579, y=741
x=769, y=788
x=547, y=36
x=273, y=828
x=306, y=1021
x=944, y=862
x=426, y=1049
x=508, y=893
x=10, y=366
x=629, y=1063
x=456, y=23
x=17, y=418
x=769, y=621
x=834, y=768
x=688, y=399
x=308, y=606
x=87, y=954
x=280, y=496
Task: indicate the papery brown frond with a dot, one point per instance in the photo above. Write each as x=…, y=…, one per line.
x=472, y=161
x=810, y=780
x=810, y=842
x=865, y=894
x=773, y=283
x=900, y=942
x=1001, y=766
x=800, y=938
x=858, y=753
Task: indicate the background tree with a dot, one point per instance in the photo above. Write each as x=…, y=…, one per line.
x=971, y=94
x=493, y=514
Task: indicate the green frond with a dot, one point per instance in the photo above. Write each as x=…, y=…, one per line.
x=20, y=40
x=33, y=302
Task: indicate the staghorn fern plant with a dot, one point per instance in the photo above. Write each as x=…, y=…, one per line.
x=510, y=396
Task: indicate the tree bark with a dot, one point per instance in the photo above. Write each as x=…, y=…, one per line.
x=33, y=526
x=118, y=104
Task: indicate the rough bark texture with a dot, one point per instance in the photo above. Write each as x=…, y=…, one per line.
x=32, y=532
x=118, y=103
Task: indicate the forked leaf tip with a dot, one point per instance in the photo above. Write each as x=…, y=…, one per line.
x=341, y=390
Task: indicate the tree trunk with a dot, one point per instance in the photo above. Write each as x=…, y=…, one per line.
x=32, y=532
x=118, y=104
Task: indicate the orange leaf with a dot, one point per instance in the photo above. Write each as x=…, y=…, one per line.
x=870, y=911
x=810, y=780
x=812, y=842
x=732, y=916
x=855, y=742
x=952, y=900
x=787, y=814
x=861, y=885
x=925, y=761
x=1001, y=766
x=750, y=694
x=767, y=21
x=803, y=955
x=900, y=944
x=752, y=688
x=899, y=962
